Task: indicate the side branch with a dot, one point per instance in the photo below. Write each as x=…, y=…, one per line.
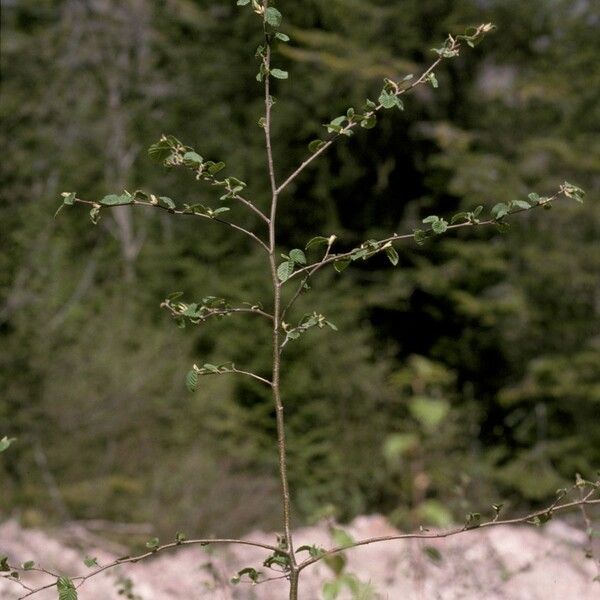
x=98, y=206
x=379, y=246
x=400, y=91
x=536, y=517
x=81, y=579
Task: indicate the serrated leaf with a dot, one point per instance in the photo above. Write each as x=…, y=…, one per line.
x=191, y=380
x=298, y=256
x=439, y=226
x=66, y=589
x=160, y=151
x=285, y=270
x=319, y=240
x=90, y=561
x=341, y=265
x=279, y=73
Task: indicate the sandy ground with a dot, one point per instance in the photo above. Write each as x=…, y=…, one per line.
x=505, y=563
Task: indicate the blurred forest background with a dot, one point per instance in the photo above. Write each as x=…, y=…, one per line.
x=467, y=375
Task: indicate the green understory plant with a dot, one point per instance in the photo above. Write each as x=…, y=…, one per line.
x=290, y=272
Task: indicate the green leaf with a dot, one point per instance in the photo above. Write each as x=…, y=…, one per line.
x=331, y=589
x=191, y=380
x=434, y=555
x=341, y=537
x=392, y=255
x=572, y=191
x=90, y=561
x=4, y=566
x=461, y=216
x=192, y=159
x=285, y=270
x=420, y=236
x=319, y=240
x=243, y=2
x=273, y=17
x=214, y=168
x=167, y=202
x=432, y=79
x=279, y=74
x=369, y=122
x=341, y=265
x=114, y=200
x=5, y=442
x=153, y=543
x=253, y=575
x=397, y=445
x=68, y=198
x=430, y=412
x=500, y=210
x=282, y=36
x=520, y=204
x=439, y=226
x=472, y=521
x=298, y=256
x=28, y=565
x=66, y=589
x=316, y=145
x=389, y=100
x=180, y=537
x=160, y=151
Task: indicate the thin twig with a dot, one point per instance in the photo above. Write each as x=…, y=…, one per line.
x=184, y=212
x=443, y=534
x=305, y=280
x=215, y=312
x=252, y=207
x=250, y=374
x=133, y=559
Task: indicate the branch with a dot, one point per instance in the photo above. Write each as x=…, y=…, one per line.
x=133, y=559
x=302, y=285
x=381, y=245
x=540, y=514
x=181, y=212
x=451, y=49
x=252, y=207
x=200, y=313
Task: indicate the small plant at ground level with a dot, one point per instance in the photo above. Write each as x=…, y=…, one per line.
x=289, y=273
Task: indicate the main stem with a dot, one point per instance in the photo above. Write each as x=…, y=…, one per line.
x=276, y=378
